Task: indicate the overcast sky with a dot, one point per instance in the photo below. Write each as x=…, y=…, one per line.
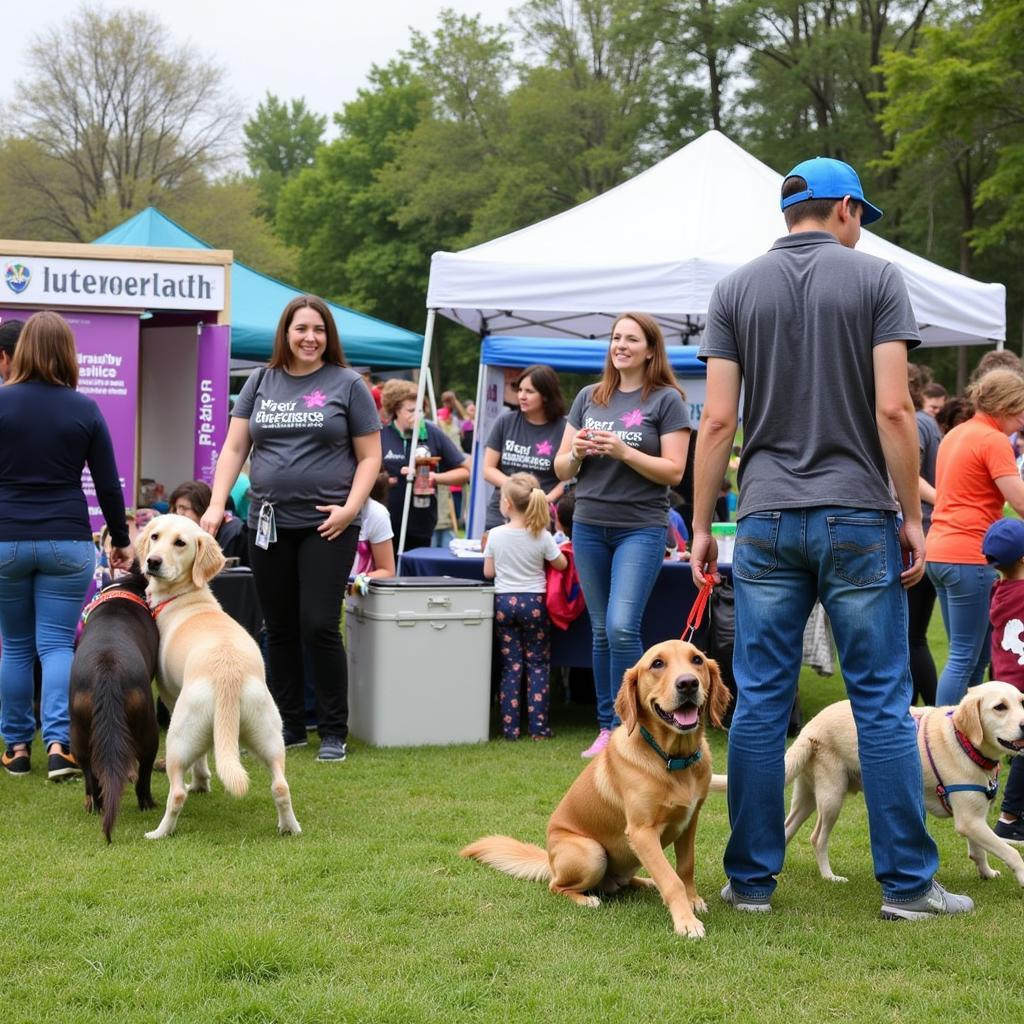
x=319, y=49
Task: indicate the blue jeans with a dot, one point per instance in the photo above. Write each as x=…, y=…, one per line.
x=963, y=591
x=850, y=559
x=618, y=567
x=43, y=584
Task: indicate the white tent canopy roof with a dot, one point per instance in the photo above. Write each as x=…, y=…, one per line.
x=659, y=243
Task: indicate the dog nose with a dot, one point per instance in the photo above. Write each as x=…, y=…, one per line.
x=686, y=686
x=154, y=562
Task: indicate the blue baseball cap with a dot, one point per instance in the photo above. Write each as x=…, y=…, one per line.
x=830, y=179
x=1004, y=542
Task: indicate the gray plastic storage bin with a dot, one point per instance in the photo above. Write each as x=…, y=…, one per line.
x=419, y=661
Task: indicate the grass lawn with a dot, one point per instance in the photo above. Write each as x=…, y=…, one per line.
x=370, y=915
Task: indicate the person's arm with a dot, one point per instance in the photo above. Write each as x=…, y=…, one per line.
x=103, y=468
x=455, y=461
x=492, y=471
x=556, y=492
x=897, y=432
x=367, y=450
x=575, y=447
x=666, y=468
x=560, y=562
x=718, y=424
x=1013, y=491
x=383, y=559
x=489, y=567
x=925, y=491
x=237, y=446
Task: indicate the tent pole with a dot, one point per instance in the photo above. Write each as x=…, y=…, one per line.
x=476, y=479
x=428, y=337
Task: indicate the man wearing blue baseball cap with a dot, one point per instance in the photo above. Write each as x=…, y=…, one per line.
x=816, y=337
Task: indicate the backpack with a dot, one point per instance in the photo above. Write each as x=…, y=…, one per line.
x=564, y=596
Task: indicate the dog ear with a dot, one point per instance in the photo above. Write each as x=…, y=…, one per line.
x=142, y=544
x=967, y=718
x=627, y=702
x=719, y=697
x=209, y=560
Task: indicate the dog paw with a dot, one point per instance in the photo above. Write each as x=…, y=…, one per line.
x=699, y=906
x=155, y=834
x=146, y=803
x=835, y=878
x=589, y=901
x=989, y=874
x=292, y=829
x=691, y=929
x=199, y=786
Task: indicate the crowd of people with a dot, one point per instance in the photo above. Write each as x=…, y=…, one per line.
x=860, y=484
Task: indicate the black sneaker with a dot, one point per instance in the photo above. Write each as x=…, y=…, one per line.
x=62, y=765
x=292, y=740
x=1011, y=831
x=332, y=748
x=16, y=764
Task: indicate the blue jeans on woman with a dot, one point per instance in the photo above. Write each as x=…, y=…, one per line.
x=964, y=592
x=618, y=567
x=850, y=559
x=43, y=584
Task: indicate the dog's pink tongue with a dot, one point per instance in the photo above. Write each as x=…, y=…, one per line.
x=686, y=716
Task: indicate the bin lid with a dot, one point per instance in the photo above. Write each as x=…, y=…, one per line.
x=425, y=583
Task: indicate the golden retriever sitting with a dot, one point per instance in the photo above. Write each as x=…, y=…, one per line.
x=210, y=673
x=823, y=765
x=641, y=793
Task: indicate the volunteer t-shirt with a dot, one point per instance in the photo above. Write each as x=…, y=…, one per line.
x=608, y=492
x=302, y=429
x=524, y=447
x=395, y=450
x=971, y=458
x=375, y=528
x=519, y=559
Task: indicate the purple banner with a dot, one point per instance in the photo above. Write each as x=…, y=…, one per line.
x=213, y=357
x=108, y=371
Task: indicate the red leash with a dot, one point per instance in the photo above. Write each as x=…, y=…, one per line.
x=697, y=611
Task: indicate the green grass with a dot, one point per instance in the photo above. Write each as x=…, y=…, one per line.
x=370, y=915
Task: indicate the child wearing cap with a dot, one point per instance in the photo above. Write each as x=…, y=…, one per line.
x=1003, y=547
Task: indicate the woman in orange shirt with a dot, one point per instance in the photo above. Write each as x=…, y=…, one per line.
x=975, y=475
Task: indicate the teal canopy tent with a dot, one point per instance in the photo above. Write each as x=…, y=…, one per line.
x=257, y=301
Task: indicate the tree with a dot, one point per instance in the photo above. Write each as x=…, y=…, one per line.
x=120, y=118
x=279, y=142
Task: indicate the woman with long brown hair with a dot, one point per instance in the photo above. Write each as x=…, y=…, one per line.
x=626, y=442
x=314, y=433
x=49, y=433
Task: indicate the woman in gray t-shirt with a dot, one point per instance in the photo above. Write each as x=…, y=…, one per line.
x=525, y=440
x=314, y=433
x=626, y=442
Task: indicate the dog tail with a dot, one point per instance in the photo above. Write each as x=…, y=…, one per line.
x=797, y=756
x=227, y=716
x=520, y=860
x=112, y=753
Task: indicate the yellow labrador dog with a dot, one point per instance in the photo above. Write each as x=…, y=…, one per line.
x=960, y=747
x=641, y=793
x=210, y=673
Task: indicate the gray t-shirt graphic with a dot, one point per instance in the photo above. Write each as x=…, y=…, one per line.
x=524, y=447
x=608, y=492
x=302, y=430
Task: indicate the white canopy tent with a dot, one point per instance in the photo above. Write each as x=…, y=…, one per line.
x=659, y=243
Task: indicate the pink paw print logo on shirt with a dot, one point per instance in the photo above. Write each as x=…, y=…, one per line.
x=315, y=399
x=635, y=418
x=543, y=448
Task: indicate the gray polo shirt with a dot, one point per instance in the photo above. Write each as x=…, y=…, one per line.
x=802, y=321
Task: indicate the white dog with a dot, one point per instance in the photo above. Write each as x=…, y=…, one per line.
x=210, y=674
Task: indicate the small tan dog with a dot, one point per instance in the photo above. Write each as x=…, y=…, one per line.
x=823, y=766
x=641, y=793
x=210, y=673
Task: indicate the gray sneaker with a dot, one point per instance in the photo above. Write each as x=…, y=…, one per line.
x=934, y=902
x=332, y=748
x=749, y=904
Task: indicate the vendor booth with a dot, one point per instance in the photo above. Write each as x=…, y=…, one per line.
x=569, y=355
x=151, y=329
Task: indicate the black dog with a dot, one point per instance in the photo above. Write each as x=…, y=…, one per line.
x=113, y=719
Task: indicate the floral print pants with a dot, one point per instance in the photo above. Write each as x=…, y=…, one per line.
x=522, y=632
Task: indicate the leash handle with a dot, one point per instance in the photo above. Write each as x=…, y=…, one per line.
x=697, y=611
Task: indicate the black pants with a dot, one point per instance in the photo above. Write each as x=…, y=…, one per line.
x=301, y=580
x=1013, y=795
x=920, y=603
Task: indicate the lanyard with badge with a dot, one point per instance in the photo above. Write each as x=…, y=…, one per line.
x=266, y=526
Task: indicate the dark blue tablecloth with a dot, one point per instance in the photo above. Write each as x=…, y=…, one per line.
x=665, y=618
